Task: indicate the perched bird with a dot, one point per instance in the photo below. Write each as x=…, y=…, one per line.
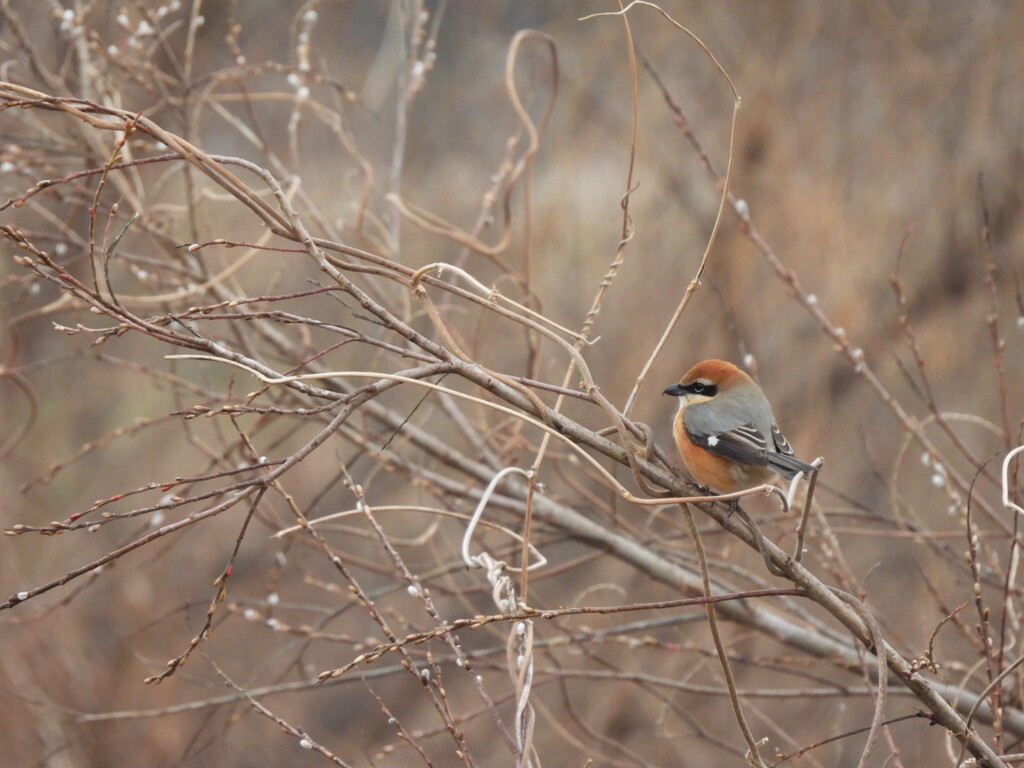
x=725, y=430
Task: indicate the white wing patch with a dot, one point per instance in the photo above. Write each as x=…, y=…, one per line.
x=712, y=440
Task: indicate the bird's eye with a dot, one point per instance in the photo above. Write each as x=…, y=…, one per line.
x=697, y=387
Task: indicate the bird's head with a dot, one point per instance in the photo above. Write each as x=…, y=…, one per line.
x=706, y=380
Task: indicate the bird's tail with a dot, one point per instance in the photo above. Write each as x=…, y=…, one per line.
x=788, y=465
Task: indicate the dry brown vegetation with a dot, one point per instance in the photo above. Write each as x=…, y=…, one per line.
x=291, y=290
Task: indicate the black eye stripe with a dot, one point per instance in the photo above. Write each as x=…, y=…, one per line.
x=701, y=388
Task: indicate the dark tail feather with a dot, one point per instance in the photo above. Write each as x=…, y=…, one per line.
x=788, y=465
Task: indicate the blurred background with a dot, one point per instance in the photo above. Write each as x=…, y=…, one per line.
x=864, y=129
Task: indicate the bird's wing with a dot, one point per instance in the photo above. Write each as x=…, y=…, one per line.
x=784, y=462
x=781, y=443
x=742, y=443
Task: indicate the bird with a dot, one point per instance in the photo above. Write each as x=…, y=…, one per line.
x=725, y=430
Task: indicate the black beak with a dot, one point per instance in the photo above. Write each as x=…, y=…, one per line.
x=676, y=390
